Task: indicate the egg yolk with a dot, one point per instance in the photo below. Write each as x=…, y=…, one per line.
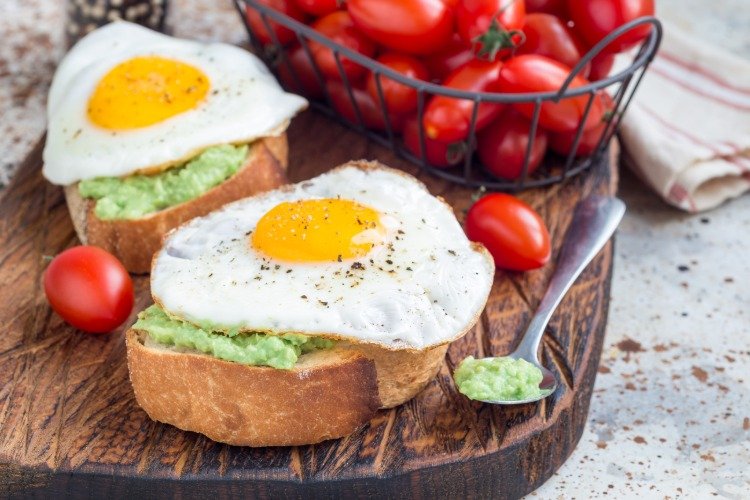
x=146, y=90
x=328, y=229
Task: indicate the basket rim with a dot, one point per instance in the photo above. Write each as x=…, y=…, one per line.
x=645, y=55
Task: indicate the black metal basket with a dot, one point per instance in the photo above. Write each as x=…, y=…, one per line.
x=621, y=86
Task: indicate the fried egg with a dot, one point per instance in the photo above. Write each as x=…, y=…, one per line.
x=362, y=253
x=126, y=99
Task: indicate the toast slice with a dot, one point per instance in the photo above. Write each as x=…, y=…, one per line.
x=328, y=394
x=135, y=241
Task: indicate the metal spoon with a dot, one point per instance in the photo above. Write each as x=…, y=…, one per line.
x=594, y=221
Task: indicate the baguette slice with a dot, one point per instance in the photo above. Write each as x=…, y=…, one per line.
x=328, y=394
x=135, y=241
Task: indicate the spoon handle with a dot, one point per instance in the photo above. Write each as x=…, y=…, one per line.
x=594, y=221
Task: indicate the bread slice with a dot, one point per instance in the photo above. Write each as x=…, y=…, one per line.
x=135, y=241
x=328, y=394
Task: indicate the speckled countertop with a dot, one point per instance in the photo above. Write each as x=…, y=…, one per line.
x=670, y=415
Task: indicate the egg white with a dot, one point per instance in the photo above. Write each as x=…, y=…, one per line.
x=243, y=103
x=424, y=286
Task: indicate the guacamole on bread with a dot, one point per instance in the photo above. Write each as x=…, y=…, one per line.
x=258, y=349
x=138, y=195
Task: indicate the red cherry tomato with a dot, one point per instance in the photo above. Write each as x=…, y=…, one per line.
x=438, y=154
x=338, y=27
x=89, y=288
x=601, y=66
x=502, y=145
x=562, y=142
x=547, y=35
x=411, y=26
x=284, y=35
x=303, y=68
x=399, y=98
x=372, y=113
x=448, y=119
x=443, y=63
x=554, y=7
x=318, y=8
x=533, y=73
x=511, y=230
x=490, y=25
x=595, y=19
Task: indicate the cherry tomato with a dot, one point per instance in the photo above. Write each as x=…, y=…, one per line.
x=89, y=288
x=554, y=7
x=562, y=142
x=399, y=98
x=595, y=19
x=547, y=35
x=318, y=8
x=455, y=55
x=511, y=230
x=284, y=35
x=303, y=68
x=372, y=113
x=490, y=25
x=438, y=154
x=448, y=119
x=502, y=145
x=601, y=66
x=533, y=73
x=338, y=27
x=411, y=26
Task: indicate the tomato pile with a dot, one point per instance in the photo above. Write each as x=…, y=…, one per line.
x=502, y=46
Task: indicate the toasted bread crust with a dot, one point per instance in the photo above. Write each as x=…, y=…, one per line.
x=135, y=241
x=328, y=394
x=402, y=374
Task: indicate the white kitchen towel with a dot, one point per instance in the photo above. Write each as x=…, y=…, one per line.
x=687, y=131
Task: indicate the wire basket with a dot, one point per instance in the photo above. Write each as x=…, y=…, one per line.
x=469, y=172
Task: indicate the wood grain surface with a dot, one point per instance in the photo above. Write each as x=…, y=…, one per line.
x=69, y=422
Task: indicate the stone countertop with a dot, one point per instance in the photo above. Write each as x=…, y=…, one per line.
x=670, y=414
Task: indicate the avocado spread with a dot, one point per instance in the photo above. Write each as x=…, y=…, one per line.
x=498, y=379
x=137, y=195
x=277, y=351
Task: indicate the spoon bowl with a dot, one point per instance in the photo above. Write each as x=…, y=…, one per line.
x=547, y=386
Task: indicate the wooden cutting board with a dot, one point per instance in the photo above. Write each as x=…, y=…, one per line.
x=69, y=422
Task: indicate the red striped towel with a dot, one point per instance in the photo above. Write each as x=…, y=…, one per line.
x=687, y=132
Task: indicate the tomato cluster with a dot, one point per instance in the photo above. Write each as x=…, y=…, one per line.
x=507, y=46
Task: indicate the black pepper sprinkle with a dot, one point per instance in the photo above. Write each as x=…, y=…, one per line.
x=452, y=252
x=400, y=232
x=323, y=302
x=303, y=296
x=277, y=267
x=357, y=265
x=338, y=258
x=288, y=271
x=408, y=268
x=389, y=262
